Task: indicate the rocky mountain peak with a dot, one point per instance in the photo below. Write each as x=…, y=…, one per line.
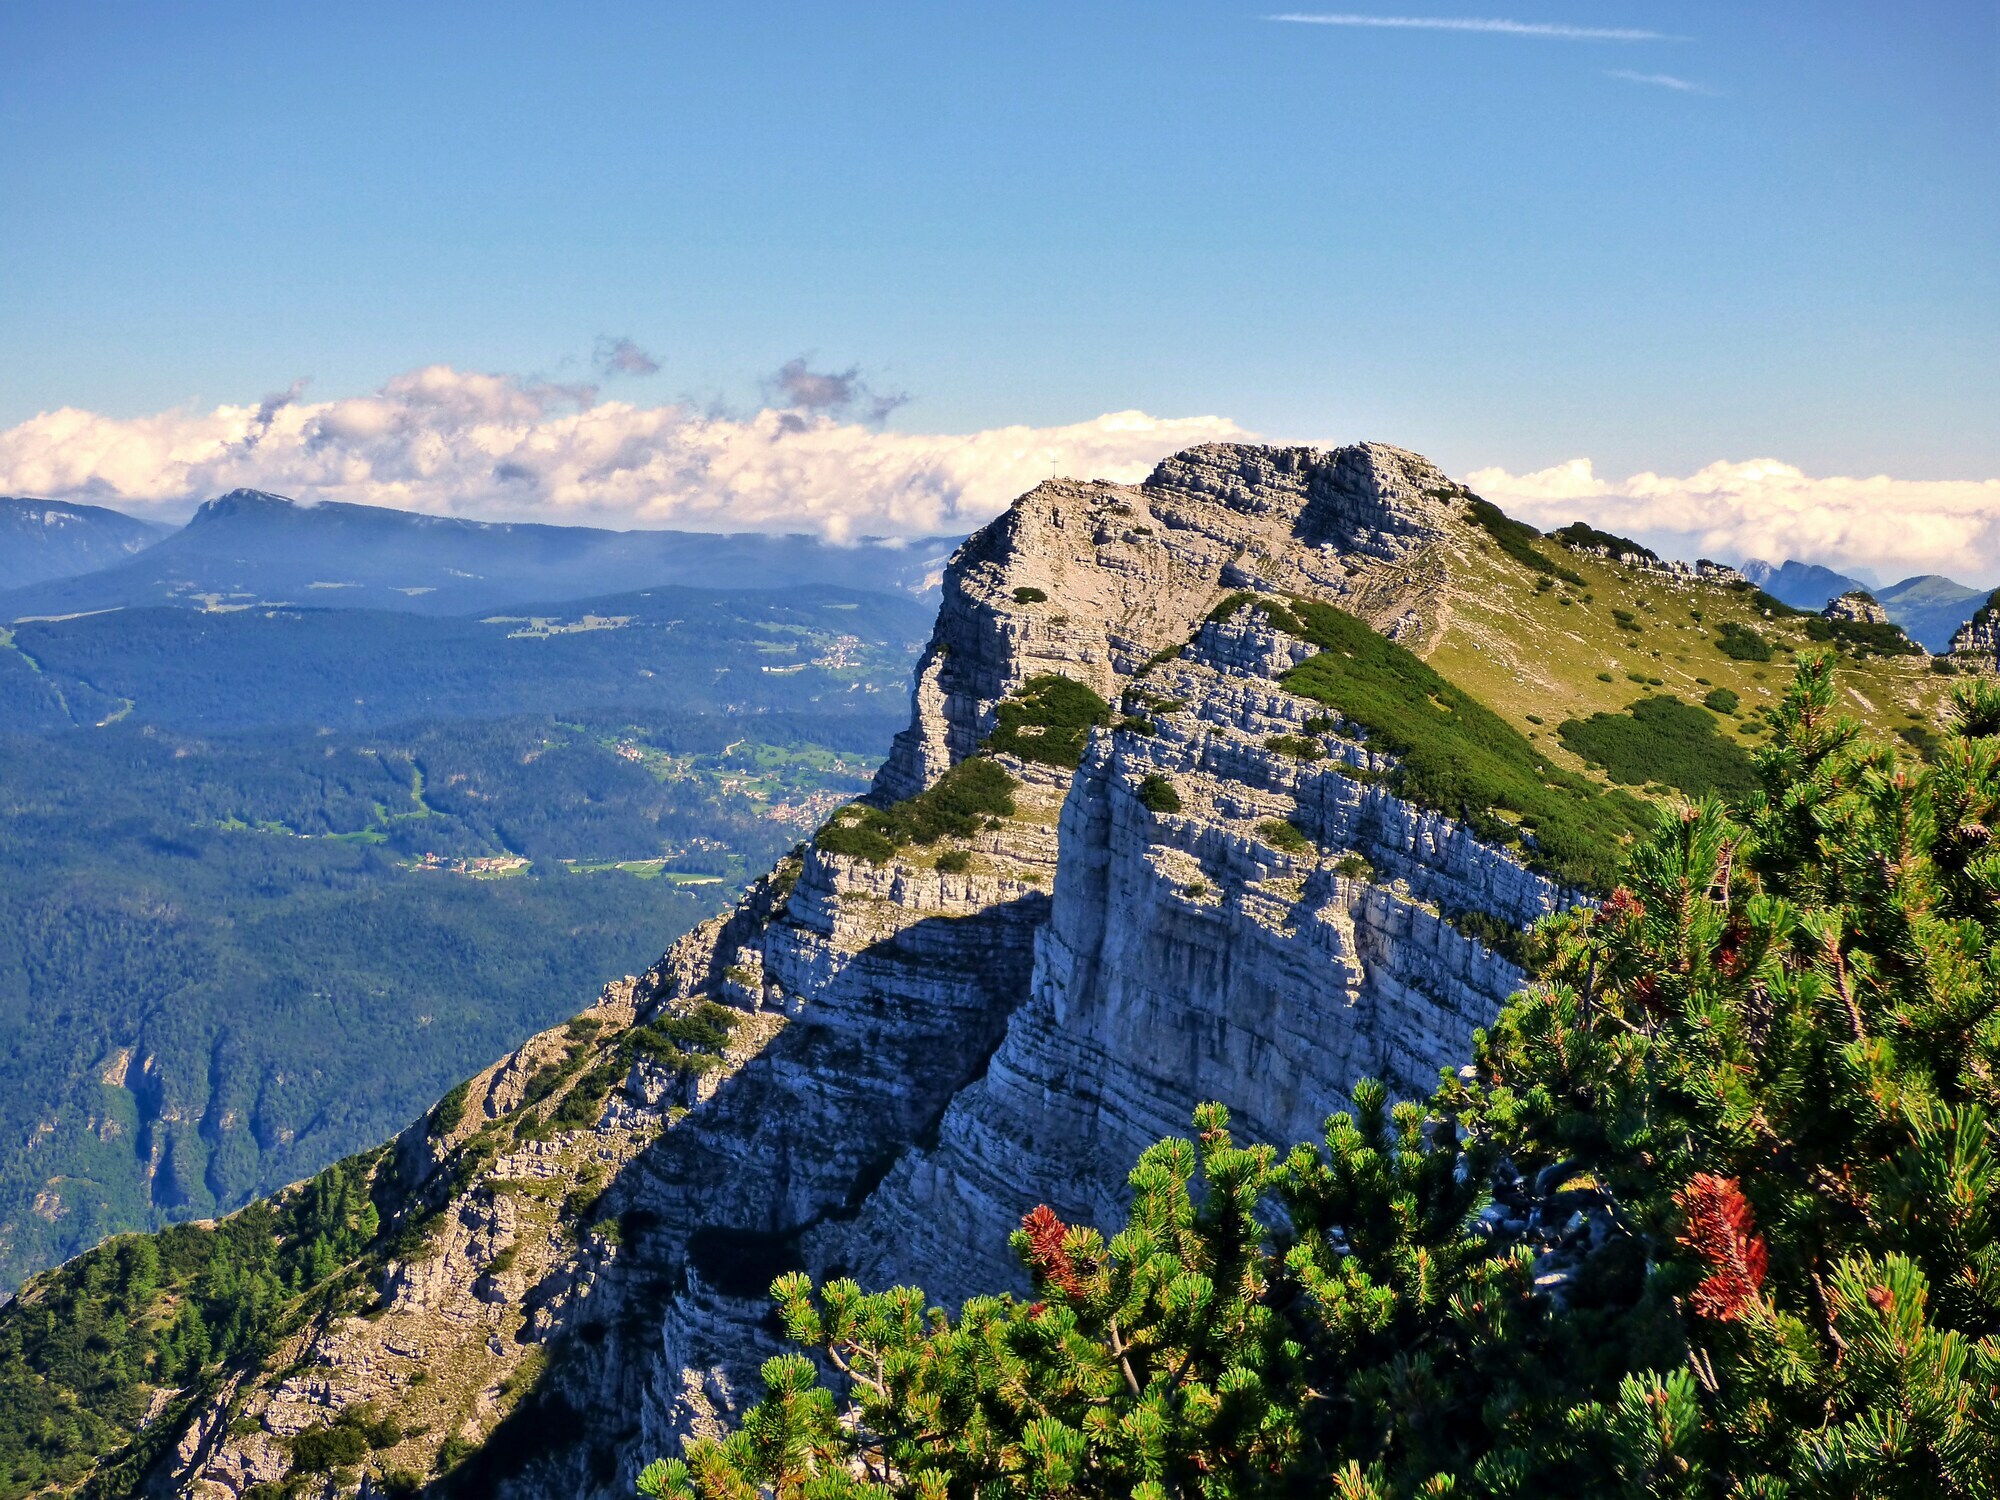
x=1090, y=579
x=241, y=502
x=904, y=1038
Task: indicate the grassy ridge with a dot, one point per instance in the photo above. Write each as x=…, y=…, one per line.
x=1456, y=755
x=953, y=808
x=1516, y=538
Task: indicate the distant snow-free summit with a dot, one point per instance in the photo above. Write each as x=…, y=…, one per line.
x=43, y=539
x=248, y=547
x=1929, y=607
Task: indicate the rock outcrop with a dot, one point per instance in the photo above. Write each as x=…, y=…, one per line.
x=928, y=1046
x=1977, y=641
x=1858, y=608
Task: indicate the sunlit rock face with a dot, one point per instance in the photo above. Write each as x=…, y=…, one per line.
x=925, y=1053
x=1977, y=641
x=1178, y=956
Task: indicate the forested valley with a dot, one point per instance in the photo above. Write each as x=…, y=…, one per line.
x=272, y=881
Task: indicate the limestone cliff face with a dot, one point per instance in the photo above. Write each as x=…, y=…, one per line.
x=1181, y=956
x=1856, y=607
x=1090, y=580
x=1977, y=641
x=1186, y=958
x=924, y=1053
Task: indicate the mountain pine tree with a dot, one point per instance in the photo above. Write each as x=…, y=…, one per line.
x=1712, y=1214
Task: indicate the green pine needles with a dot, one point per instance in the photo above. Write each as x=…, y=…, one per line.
x=1715, y=1213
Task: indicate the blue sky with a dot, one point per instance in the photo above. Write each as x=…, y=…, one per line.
x=1503, y=249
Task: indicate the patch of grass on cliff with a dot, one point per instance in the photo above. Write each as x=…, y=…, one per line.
x=1517, y=539
x=1583, y=537
x=955, y=807
x=1494, y=933
x=1048, y=720
x=1297, y=746
x=687, y=1043
x=1275, y=613
x=1456, y=755
x=449, y=1112
x=1663, y=740
x=1283, y=836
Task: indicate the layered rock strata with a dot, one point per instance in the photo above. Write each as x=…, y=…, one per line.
x=924, y=1052
x=1188, y=956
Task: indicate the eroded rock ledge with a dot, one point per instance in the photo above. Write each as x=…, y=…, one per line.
x=923, y=1053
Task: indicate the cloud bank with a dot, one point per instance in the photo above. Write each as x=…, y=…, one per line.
x=1771, y=510
x=497, y=447
x=816, y=459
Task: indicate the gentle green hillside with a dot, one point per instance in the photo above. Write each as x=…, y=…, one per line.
x=1457, y=755
x=1541, y=650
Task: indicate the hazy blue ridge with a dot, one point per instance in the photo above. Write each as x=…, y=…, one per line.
x=1929, y=607
x=1801, y=585
x=249, y=548
x=45, y=539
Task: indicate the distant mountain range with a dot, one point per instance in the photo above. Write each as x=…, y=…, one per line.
x=1929, y=606
x=1801, y=585
x=250, y=548
x=42, y=539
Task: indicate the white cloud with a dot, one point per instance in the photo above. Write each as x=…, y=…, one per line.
x=1551, y=30
x=501, y=448
x=1772, y=510
x=1657, y=80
